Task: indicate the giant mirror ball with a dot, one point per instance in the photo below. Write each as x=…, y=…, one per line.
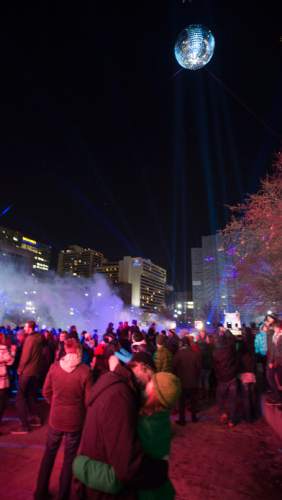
x=194, y=47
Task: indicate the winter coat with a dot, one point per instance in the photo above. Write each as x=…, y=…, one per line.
x=163, y=359
x=225, y=360
x=187, y=366
x=110, y=436
x=206, y=353
x=31, y=357
x=261, y=343
x=155, y=434
x=67, y=389
x=172, y=343
x=6, y=359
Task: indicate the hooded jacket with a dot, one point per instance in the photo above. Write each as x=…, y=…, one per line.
x=67, y=388
x=110, y=436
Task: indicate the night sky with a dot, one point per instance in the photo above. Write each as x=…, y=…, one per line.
x=103, y=145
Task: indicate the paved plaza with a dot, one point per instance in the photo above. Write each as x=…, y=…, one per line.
x=208, y=460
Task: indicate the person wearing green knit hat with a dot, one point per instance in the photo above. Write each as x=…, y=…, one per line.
x=154, y=430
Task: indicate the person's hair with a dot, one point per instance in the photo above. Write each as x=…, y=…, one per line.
x=31, y=324
x=145, y=371
x=278, y=324
x=186, y=340
x=71, y=344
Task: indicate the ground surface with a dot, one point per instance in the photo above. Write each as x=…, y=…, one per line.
x=208, y=461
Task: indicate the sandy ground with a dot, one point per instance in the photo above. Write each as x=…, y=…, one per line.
x=208, y=461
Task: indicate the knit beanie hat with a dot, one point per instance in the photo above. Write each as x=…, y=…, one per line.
x=167, y=387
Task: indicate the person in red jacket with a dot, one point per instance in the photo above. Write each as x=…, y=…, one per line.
x=66, y=388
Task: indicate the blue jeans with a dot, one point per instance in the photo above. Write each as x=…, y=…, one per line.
x=54, y=440
x=226, y=395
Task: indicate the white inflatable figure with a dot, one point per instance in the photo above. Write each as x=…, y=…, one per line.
x=232, y=321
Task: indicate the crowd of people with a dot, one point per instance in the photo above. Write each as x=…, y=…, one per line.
x=111, y=399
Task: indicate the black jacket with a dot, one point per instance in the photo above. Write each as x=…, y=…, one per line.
x=186, y=364
x=225, y=360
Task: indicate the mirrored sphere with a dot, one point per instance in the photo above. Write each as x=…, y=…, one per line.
x=194, y=47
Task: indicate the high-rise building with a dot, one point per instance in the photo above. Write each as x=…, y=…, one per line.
x=110, y=270
x=21, y=260
x=213, y=287
x=78, y=261
x=148, y=282
x=41, y=253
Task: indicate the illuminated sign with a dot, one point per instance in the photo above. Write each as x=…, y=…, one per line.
x=28, y=240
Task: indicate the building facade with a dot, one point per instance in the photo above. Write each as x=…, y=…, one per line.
x=148, y=282
x=213, y=279
x=79, y=261
x=110, y=270
x=21, y=260
x=40, y=253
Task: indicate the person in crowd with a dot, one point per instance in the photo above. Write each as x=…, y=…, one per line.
x=134, y=328
x=275, y=365
x=261, y=351
x=20, y=337
x=119, y=329
x=172, y=341
x=122, y=333
x=29, y=372
x=162, y=356
x=48, y=352
x=61, y=346
x=7, y=358
x=95, y=337
x=247, y=366
x=88, y=346
x=73, y=333
x=110, y=329
x=206, y=356
x=186, y=366
x=139, y=343
x=66, y=388
x=116, y=443
x=226, y=370
x=154, y=431
x=111, y=344
x=152, y=334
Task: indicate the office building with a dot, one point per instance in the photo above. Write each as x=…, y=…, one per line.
x=21, y=260
x=110, y=270
x=213, y=279
x=41, y=253
x=79, y=261
x=148, y=282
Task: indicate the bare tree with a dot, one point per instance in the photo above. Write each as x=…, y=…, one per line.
x=254, y=239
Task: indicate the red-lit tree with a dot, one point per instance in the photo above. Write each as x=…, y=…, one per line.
x=254, y=239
